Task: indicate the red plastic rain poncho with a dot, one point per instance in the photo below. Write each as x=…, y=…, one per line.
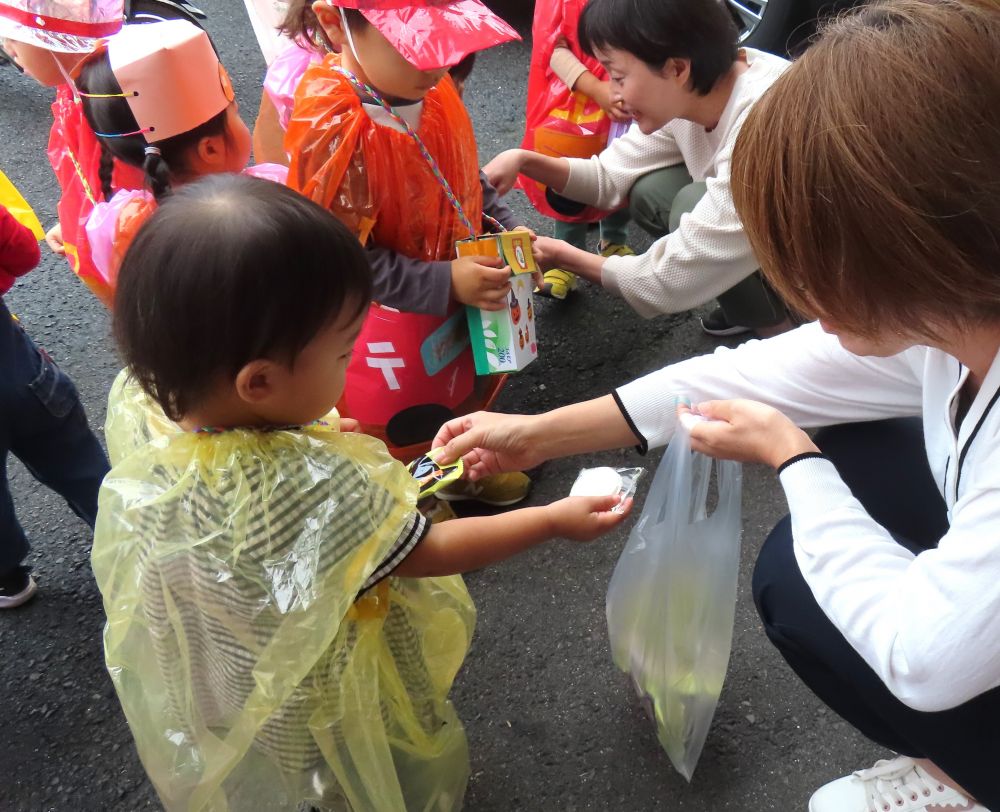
x=75, y=155
x=558, y=121
x=376, y=181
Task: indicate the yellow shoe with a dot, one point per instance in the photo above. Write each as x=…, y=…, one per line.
x=437, y=511
x=557, y=284
x=616, y=249
x=499, y=490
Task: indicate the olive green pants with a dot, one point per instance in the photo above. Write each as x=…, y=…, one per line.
x=656, y=203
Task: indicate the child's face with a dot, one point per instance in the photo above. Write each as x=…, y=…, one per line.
x=310, y=388
x=651, y=97
x=376, y=62
x=40, y=64
x=238, y=140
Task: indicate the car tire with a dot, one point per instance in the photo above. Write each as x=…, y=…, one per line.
x=764, y=24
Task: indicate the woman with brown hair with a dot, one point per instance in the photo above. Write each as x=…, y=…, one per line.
x=867, y=181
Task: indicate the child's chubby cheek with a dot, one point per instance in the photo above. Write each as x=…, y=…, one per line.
x=40, y=64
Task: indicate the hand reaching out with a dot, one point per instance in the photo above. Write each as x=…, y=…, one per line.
x=584, y=518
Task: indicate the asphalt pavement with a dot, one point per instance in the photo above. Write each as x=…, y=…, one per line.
x=552, y=724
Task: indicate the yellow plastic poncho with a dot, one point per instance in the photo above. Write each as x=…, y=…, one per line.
x=251, y=674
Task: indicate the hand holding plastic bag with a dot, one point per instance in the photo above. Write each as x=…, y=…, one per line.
x=672, y=597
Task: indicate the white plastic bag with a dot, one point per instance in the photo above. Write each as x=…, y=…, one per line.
x=672, y=597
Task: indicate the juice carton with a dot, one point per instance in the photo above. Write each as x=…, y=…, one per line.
x=504, y=340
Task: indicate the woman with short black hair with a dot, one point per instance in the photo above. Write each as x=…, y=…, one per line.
x=676, y=68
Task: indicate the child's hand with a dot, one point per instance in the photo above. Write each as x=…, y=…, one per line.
x=54, y=239
x=502, y=171
x=610, y=105
x=482, y=282
x=348, y=425
x=584, y=518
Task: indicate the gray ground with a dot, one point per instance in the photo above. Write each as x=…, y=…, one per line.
x=551, y=722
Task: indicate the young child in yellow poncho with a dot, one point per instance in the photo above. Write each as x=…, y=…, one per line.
x=283, y=624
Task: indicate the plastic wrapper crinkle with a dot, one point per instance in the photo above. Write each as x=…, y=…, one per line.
x=252, y=675
x=672, y=597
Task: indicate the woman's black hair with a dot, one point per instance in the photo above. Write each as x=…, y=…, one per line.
x=702, y=31
x=230, y=269
x=113, y=115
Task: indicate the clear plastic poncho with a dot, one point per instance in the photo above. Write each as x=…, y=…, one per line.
x=251, y=674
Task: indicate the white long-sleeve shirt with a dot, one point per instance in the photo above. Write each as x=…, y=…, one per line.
x=929, y=625
x=708, y=253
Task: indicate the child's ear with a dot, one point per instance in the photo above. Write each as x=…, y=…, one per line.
x=330, y=21
x=257, y=381
x=211, y=154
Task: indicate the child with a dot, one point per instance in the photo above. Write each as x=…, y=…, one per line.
x=159, y=99
x=569, y=113
x=42, y=421
x=47, y=38
x=280, y=630
x=677, y=68
x=359, y=158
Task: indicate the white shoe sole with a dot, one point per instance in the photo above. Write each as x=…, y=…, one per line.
x=25, y=595
x=734, y=330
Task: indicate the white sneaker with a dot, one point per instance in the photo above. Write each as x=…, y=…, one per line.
x=898, y=785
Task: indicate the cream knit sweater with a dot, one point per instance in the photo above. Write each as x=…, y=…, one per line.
x=708, y=253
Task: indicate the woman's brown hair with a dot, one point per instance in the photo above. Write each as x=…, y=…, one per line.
x=868, y=176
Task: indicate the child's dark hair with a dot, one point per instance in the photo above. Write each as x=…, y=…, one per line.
x=230, y=269
x=702, y=31
x=461, y=71
x=113, y=115
x=302, y=25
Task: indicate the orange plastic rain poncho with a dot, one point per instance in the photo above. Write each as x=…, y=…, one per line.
x=75, y=155
x=251, y=675
x=375, y=180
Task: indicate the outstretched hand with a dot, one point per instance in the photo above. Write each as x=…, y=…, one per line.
x=490, y=443
x=502, y=171
x=584, y=518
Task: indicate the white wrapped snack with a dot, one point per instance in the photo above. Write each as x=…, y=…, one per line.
x=606, y=481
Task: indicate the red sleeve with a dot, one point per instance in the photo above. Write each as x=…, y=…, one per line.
x=18, y=248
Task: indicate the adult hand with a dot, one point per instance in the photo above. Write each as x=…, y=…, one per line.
x=54, y=239
x=503, y=170
x=584, y=518
x=482, y=282
x=546, y=252
x=747, y=431
x=490, y=443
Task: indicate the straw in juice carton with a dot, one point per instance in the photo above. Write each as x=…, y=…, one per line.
x=504, y=340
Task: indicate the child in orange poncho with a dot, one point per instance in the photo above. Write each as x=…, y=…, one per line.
x=352, y=152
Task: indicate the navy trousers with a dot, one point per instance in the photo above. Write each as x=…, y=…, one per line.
x=43, y=424
x=885, y=465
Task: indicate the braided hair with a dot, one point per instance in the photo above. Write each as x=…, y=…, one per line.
x=111, y=114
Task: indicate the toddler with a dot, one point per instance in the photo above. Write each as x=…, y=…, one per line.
x=159, y=100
